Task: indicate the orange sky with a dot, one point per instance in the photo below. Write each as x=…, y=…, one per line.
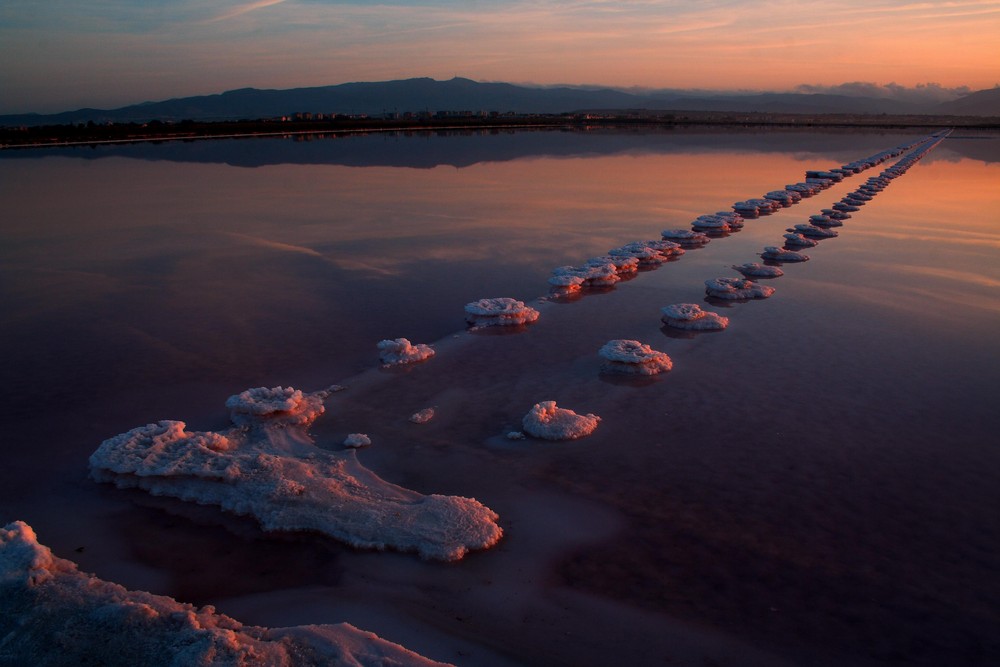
x=56, y=56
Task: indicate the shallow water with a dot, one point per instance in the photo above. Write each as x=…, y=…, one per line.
x=815, y=484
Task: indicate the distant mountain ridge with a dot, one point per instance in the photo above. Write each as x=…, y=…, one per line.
x=458, y=94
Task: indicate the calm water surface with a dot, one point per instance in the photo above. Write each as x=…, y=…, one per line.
x=815, y=485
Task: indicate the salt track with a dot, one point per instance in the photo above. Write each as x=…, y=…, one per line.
x=267, y=467
x=53, y=614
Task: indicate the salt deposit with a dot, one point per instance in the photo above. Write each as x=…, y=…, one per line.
x=691, y=317
x=546, y=420
x=737, y=288
x=501, y=311
x=755, y=270
x=797, y=240
x=401, y=351
x=776, y=254
x=268, y=467
x=630, y=357
x=357, y=440
x=422, y=416
x=53, y=614
x=687, y=238
x=812, y=231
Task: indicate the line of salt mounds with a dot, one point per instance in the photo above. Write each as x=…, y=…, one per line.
x=400, y=351
x=630, y=357
x=267, y=466
x=502, y=311
x=691, y=317
x=53, y=614
x=546, y=420
x=737, y=288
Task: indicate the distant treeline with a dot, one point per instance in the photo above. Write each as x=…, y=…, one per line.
x=92, y=133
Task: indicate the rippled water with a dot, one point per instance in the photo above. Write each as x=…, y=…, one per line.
x=816, y=484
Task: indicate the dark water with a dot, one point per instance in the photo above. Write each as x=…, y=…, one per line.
x=816, y=484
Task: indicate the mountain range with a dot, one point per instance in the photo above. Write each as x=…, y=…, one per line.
x=458, y=94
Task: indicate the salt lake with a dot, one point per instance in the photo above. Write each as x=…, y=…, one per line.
x=817, y=484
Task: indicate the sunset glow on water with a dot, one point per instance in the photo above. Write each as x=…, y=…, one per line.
x=813, y=485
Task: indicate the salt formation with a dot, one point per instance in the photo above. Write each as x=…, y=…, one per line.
x=357, y=440
x=547, y=421
x=401, y=351
x=797, y=240
x=686, y=238
x=691, y=317
x=499, y=312
x=812, y=231
x=422, y=416
x=53, y=614
x=722, y=221
x=776, y=254
x=834, y=214
x=267, y=467
x=755, y=270
x=737, y=288
x=649, y=253
x=630, y=357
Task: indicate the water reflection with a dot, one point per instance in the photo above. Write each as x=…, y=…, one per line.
x=836, y=440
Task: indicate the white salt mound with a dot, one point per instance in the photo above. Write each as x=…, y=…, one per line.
x=630, y=357
x=423, y=416
x=737, y=288
x=753, y=269
x=53, y=614
x=691, y=317
x=357, y=440
x=777, y=254
x=269, y=468
x=547, y=421
x=501, y=311
x=401, y=351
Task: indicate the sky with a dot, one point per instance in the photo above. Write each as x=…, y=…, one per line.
x=59, y=55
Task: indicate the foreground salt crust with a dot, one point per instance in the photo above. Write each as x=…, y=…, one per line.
x=402, y=351
x=267, y=467
x=502, y=311
x=546, y=420
x=630, y=357
x=52, y=614
x=691, y=317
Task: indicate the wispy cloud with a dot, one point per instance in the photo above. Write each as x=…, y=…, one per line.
x=242, y=9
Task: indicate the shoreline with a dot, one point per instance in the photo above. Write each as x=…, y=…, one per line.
x=43, y=136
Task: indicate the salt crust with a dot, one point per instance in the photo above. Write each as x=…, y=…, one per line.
x=401, y=351
x=502, y=311
x=422, y=416
x=777, y=254
x=630, y=357
x=753, y=269
x=53, y=614
x=267, y=467
x=737, y=288
x=691, y=317
x=357, y=440
x=549, y=422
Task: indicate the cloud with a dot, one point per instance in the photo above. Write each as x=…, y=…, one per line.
x=243, y=9
x=922, y=93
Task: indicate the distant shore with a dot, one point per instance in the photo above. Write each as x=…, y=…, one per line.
x=188, y=130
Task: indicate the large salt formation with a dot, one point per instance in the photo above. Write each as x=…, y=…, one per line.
x=499, y=312
x=52, y=614
x=550, y=422
x=267, y=467
x=630, y=357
